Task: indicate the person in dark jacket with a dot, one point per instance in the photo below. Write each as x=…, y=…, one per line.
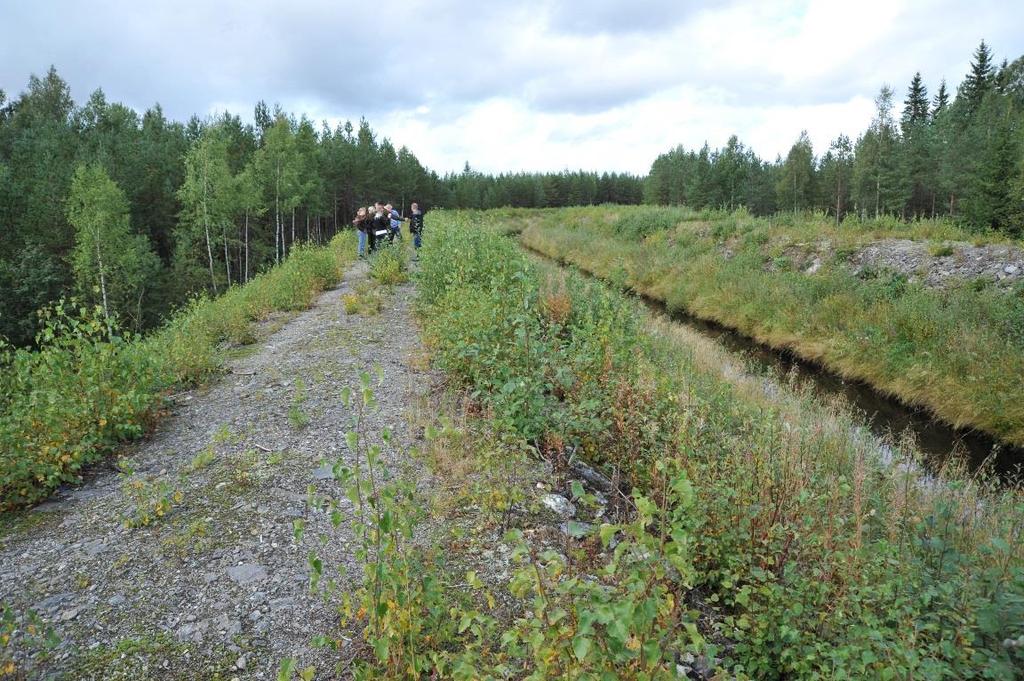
x=381, y=222
x=362, y=225
x=416, y=225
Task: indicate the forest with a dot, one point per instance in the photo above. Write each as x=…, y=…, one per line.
x=955, y=155
x=137, y=213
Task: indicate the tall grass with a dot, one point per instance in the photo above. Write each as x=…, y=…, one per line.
x=958, y=352
x=86, y=388
x=809, y=555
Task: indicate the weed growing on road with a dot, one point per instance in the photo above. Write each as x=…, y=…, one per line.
x=25, y=640
x=150, y=499
x=390, y=265
x=204, y=458
x=298, y=418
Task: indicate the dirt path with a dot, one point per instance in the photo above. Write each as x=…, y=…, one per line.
x=218, y=587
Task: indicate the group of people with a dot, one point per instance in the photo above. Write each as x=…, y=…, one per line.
x=381, y=220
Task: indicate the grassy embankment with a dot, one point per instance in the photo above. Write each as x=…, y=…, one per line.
x=958, y=352
x=87, y=389
x=766, y=523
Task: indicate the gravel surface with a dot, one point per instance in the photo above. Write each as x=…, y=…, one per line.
x=959, y=261
x=218, y=586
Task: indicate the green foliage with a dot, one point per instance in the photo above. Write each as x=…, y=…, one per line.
x=518, y=346
x=641, y=223
x=209, y=197
x=204, y=458
x=86, y=389
x=952, y=350
x=390, y=265
x=400, y=605
x=151, y=498
x=366, y=298
x=111, y=265
x=812, y=558
x=296, y=416
x=24, y=639
x=629, y=621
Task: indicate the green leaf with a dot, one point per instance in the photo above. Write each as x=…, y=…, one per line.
x=577, y=489
x=580, y=647
x=607, y=532
x=286, y=670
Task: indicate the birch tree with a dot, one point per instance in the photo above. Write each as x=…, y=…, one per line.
x=108, y=258
x=206, y=195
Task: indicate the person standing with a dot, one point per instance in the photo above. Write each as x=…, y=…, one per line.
x=416, y=225
x=381, y=223
x=362, y=225
x=396, y=223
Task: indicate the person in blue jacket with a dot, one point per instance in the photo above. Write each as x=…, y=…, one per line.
x=396, y=223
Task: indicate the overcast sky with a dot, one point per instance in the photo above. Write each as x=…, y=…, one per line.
x=520, y=84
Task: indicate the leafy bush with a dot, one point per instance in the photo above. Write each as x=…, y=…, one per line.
x=389, y=265
x=814, y=558
x=87, y=388
x=81, y=393
x=642, y=222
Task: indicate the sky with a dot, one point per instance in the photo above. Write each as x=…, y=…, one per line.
x=510, y=85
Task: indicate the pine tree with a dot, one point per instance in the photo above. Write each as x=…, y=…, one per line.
x=941, y=100
x=917, y=168
x=796, y=183
x=836, y=172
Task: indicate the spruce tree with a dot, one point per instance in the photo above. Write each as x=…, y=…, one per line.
x=915, y=106
x=940, y=101
x=979, y=80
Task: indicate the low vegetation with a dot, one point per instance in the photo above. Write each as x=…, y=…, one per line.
x=766, y=535
x=785, y=281
x=87, y=387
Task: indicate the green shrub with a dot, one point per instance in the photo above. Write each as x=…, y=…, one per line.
x=87, y=388
x=642, y=222
x=69, y=402
x=813, y=557
x=389, y=265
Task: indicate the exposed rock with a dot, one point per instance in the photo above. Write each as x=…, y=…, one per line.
x=575, y=529
x=559, y=505
x=325, y=472
x=914, y=259
x=594, y=478
x=246, y=573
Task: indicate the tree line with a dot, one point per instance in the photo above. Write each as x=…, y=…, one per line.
x=473, y=189
x=136, y=213
x=959, y=156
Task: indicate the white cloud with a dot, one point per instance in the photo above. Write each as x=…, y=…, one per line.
x=516, y=85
